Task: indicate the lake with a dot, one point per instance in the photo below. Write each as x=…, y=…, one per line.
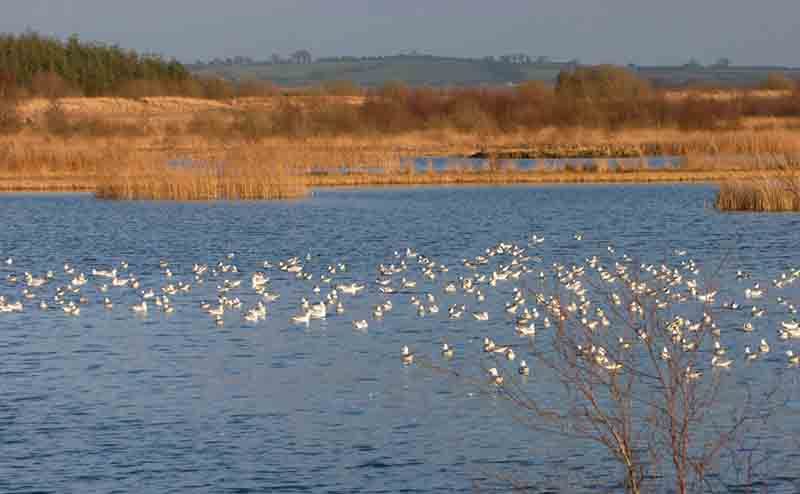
x=112, y=401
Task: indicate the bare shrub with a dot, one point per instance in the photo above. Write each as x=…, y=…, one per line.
x=142, y=88
x=336, y=119
x=105, y=127
x=696, y=113
x=56, y=120
x=256, y=89
x=629, y=350
x=534, y=91
x=9, y=89
x=466, y=114
x=190, y=88
x=10, y=120
x=209, y=124
x=289, y=119
x=217, y=88
x=394, y=91
x=778, y=81
x=388, y=115
x=253, y=124
x=341, y=88
x=601, y=82
x=51, y=85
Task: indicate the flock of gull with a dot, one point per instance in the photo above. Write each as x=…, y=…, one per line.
x=604, y=295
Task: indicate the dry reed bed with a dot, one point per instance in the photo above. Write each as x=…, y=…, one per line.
x=153, y=167
x=778, y=193
x=203, y=183
x=233, y=175
x=145, y=169
x=479, y=177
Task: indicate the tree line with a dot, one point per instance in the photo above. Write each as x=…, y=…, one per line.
x=34, y=63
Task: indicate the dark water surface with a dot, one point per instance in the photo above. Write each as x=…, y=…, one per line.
x=113, y=402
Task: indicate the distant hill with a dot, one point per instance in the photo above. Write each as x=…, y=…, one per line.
x=415, y=70
x=727, y=75
x=439, y=71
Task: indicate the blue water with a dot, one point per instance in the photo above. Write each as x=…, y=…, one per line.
x=114, y=402
x=438, y=164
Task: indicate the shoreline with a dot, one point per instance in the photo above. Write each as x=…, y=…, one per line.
x=677, y=176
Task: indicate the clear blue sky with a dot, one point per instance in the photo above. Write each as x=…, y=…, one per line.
x=617, y=31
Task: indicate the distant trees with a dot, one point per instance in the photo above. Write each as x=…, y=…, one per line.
x=601, y=82
x=55, y=67
x=8, y=85
x=301, y=57
x=237, y=60
x=515, y=58
x=693, y=63
x=722, y=63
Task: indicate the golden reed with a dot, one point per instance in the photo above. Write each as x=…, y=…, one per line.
x=233, y=175
x=764, y=194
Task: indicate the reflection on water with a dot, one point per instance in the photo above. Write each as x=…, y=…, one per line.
x=171, y=403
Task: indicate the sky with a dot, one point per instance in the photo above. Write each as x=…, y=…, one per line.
x=643, y=32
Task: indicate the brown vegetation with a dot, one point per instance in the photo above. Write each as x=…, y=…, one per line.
x=602, y=98
x=763, y=194
x=776, y=189
x=779, y=81
x=180, y=166
x=309, y=139
x=266, y=142
x=228, y=180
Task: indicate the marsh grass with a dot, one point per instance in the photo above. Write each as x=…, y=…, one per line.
x=256, y=142
x=232, y=176
x=775, y=189
x=765, y=194
x=138, y=167
x=201, y=183
x=126, y=153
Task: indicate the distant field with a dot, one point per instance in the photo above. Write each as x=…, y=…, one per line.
x=454, y=71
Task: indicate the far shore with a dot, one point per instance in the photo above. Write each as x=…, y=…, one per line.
x=171, y=148
x=89, y=184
